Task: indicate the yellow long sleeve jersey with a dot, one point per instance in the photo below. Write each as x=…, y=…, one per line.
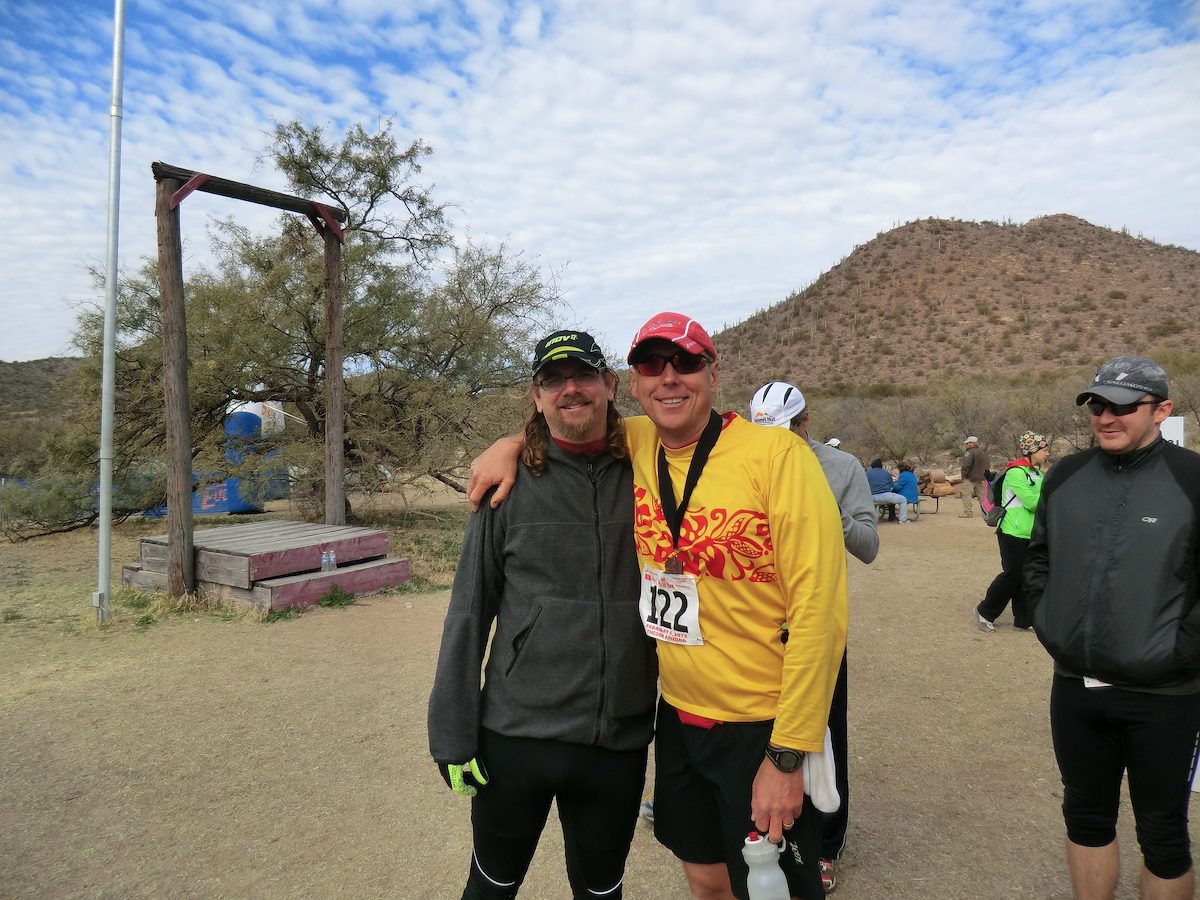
x=762, y=536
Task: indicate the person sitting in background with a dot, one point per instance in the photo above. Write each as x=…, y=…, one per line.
x=883, y=489
x=906, y=484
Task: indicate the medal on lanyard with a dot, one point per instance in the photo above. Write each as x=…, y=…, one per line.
x=666, y=491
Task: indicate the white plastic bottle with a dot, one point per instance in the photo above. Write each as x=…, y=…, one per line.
x=765, y=880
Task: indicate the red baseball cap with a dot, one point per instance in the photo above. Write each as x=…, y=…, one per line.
x=686, y=334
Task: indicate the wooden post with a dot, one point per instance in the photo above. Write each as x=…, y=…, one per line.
x=181, y=573
x=174, y=184
x=335, y=421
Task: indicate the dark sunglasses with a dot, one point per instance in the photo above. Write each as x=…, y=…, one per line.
x=1097, y=407
x=683, y=363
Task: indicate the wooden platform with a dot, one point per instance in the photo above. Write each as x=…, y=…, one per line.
x=275, y=564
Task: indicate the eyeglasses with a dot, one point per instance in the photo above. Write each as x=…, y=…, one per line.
x=683, y=363
x=552, y=384
x=1097, y=407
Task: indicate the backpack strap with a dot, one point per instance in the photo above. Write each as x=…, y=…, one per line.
x=1028, y=476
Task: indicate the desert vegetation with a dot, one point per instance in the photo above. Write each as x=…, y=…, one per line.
x=932, y=330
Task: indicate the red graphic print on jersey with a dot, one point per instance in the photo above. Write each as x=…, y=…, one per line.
x=713, y=542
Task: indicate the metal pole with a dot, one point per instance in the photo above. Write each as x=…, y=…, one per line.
x=101, y=599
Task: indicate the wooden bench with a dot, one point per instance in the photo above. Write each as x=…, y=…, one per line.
x=882, y=507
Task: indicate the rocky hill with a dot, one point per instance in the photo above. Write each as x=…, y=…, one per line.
x=924, y=301
x=938, y=297
x=32, y=387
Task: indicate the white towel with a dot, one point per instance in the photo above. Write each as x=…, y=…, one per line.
x=820, y=782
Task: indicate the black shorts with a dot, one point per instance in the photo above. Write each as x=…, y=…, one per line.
x=1101, y=733
x=702, y=784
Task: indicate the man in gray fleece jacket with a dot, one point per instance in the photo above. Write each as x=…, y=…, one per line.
x=566, y=711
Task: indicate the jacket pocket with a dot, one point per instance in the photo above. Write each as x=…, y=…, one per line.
x=1187, y=648
x=556, y=663
x=519, y=639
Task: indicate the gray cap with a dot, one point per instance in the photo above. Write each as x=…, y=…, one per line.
x=1125, y=379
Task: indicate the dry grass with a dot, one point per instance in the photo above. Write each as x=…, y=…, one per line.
x=46, y=583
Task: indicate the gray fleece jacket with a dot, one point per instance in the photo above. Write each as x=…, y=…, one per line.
x=555, y=570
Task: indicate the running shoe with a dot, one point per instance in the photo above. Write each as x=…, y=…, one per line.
x=646, y=810
x=984, y=624
x=828, y=875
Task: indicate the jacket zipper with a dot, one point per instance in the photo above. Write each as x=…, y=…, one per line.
x=600, y=585
x=1119, y=483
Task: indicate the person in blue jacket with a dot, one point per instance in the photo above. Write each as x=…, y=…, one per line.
x=906, y=484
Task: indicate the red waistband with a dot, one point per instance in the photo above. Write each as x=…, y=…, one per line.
x=688, y=718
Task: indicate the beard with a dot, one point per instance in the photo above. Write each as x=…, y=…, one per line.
x=576, y=427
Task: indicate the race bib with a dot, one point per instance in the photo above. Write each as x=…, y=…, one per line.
x=670, y=607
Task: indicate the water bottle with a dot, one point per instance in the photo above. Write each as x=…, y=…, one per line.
x=765, y=880
x=332, y=560
x=325, y=567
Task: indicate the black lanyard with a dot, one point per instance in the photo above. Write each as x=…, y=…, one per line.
x=672, y=513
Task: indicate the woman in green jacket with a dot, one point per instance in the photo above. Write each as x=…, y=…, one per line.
x=1019, y=494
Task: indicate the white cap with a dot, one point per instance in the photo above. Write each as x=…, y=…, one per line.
x=776, y=403
x=834, y=442
x=971, y=440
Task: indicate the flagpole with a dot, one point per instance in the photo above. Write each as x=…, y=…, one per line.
x=102, y=598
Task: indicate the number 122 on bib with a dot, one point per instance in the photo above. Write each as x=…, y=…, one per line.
x=670, y=607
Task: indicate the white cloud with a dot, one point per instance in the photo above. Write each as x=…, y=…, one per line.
x=706, y=156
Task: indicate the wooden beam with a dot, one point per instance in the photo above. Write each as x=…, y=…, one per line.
x=181, y=575
x=237, y=190
x=327, y=219
x=335, y=416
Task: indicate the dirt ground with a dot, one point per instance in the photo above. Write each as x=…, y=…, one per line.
x=210, y=758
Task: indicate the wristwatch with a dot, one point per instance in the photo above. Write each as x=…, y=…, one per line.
x=784, y=758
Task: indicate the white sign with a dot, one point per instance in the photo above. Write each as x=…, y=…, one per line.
x=1172, y=429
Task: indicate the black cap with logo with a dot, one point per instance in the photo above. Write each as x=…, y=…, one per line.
x=568, y=345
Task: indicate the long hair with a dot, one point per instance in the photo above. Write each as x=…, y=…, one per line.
x=537, y=432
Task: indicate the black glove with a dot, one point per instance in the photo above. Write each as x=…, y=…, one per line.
x=464, y=778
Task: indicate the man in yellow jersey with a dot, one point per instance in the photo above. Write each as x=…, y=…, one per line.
x=744, y=589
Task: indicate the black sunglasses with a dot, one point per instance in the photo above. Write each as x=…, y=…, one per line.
x=653, y=365
x=1097, y=407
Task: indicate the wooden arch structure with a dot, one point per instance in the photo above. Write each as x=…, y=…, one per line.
x=173, y=184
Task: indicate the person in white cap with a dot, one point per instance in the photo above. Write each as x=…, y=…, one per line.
x=783, y=405
x=974, y=476
x=834, y=442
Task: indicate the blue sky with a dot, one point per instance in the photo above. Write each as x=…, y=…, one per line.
x=708, y=157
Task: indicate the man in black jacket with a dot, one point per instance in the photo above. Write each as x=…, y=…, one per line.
x=566, y=712
x=1112, y=577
